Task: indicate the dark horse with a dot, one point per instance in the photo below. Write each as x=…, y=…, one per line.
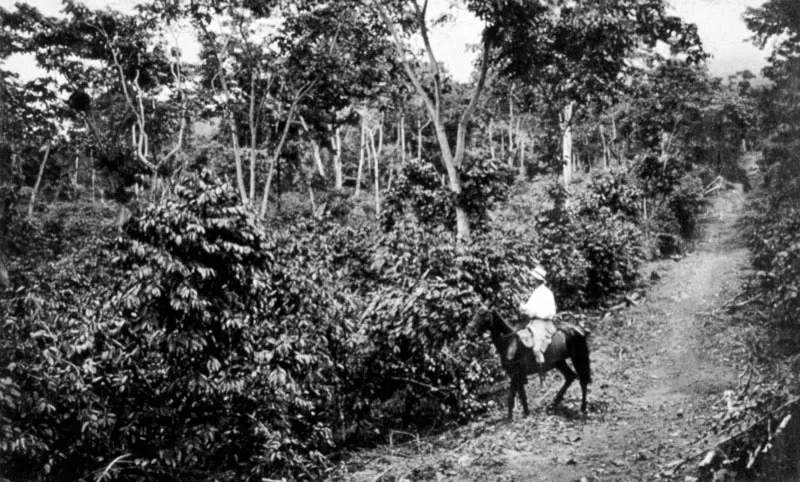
x=569, y=342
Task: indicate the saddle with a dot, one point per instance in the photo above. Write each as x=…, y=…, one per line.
x=526, y=335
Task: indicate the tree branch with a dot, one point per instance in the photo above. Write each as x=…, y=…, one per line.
x=465, y=117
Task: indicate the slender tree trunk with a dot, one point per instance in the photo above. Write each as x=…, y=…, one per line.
x=491, y=140
x=337, y=159
x=361, y=148
x=253, y=136
x=511, y=124
x=75, y=174
x=38, y=180
x=318, y=158
x=521, y=157
x=94, y=183
x=517, y=135
x=566, y=143
x=375, y=162
x=420, y=128
x=452, y=161
x=403, y=138
x=605, y=147
x=267, y=186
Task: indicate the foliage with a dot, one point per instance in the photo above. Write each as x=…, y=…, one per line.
x=659, y=179
x=614, y=191
x=612, y=247
x=202, y=364
x=567, y=266
x=591, y=252
x=775, y=243
x=774, y=239
x=421, y=189
x=685, y=205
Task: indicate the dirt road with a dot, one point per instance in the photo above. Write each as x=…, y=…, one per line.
x=660, y=373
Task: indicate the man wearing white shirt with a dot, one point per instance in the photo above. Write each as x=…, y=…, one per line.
x=540, y=309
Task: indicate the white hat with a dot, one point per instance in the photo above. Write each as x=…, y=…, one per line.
x=539, y=273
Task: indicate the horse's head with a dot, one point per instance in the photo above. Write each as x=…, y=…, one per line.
x=481, y=321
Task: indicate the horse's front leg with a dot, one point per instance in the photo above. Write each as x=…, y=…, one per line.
x=569, y=377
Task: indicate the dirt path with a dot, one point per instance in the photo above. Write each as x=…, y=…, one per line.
x=659, y=380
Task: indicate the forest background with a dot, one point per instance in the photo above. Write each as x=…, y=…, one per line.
x=247, y=303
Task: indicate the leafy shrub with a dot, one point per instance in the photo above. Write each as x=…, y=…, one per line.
x=205, y=361
x=590, y=252
x=675, y=196
x=775, y=243
x=426, y=293
x=658, y=179
x=425, y=192
x=53, y=422
x=568, y=269
x=612, y=247
x=233, y=342
x=612, y=190
x=686, y=203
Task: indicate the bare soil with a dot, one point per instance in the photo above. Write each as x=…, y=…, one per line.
x=660, y=371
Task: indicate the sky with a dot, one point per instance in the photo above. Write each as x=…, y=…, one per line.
x=719, y=23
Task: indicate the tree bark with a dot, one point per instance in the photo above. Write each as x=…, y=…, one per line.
x=375, y=163
x=38, y=180
x=361, y=147
x=491, y=140
x=337, y=159
x=452, y=160
x=566, y=143
x=511, y=124
x=605, y=147
x=403, y=138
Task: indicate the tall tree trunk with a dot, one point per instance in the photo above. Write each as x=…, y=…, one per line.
x=38, y=180
x=318, y=158
x=420, y=128
x=566, y=143
x=375, y=161
x=432, y=101
x=4, y=280
x=491, y=140
x=522, y=157
x=75, y=174
x=253, y=136
x=403, y=138
x=605, y=147
x=511, y=124
x=337, y=159
x=361, y=148
x=267, y=185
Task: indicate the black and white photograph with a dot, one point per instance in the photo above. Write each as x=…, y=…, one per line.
x=399, y=240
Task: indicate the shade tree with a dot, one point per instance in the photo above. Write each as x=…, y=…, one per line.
x=576, y=53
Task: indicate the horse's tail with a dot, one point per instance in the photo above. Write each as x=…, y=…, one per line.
x=578, y=347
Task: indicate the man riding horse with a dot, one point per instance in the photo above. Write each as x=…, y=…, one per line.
x=538, y=313
x=550, y=345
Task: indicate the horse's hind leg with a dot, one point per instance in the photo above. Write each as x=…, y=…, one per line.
x=512, y=393
x=569, y=377
x=584, y=384
x=583, y=367
x=523, y=397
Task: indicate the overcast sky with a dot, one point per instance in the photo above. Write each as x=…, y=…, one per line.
x=719, y=22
